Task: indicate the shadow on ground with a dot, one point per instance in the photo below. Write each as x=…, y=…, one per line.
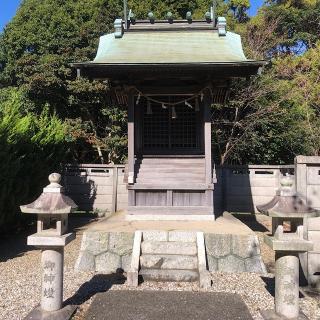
x=15, y=245
x=98, y=283
x=250, y=220
x=270, y=286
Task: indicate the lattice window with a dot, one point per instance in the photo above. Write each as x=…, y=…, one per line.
x=162, y=132
x=184, y=128
x=156, y=128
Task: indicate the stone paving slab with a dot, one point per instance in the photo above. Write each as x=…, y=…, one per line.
x=177, y=305
x=226, y=224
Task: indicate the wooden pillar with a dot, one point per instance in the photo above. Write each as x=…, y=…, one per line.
x=207, y=148
x=207, y=138
x=130, y=137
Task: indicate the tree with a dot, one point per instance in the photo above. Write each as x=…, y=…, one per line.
x=38, y=47
x=274, y=117
x=298, y=26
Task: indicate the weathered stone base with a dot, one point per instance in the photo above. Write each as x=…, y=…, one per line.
x=234, y=253
x=272, y=315
x=62, y=314
x=105, y=251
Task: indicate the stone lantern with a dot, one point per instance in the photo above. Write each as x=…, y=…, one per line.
x=287, y=206
x=287, y=247
x=52, y=209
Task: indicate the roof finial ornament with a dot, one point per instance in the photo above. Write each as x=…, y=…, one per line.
x=151, y=17
x=170, y=17
x=189, y=17
x=54, y=186
x=54, y=178
x=222, y=26
x=132, y=17
x=208, y=16
x=118, y=28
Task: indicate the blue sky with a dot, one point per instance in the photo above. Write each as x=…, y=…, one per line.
x=8, y=9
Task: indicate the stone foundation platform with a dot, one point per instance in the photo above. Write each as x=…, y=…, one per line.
x=230, y=245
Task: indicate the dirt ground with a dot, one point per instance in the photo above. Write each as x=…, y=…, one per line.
x=20, y=278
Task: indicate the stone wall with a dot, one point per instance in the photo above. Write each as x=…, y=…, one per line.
x=310, y=261
x=105, y=252
x=308, y=179
x=233, y=253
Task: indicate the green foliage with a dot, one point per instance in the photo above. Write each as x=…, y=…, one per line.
x=42, y=40
x=178, y=8
x=198, y=8
x=31, y=146
x=298, y=81
x=48, y=117
x=297, y=26
x=38, y=47
x=274, y=117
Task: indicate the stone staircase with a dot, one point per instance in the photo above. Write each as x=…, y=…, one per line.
x=167, y=256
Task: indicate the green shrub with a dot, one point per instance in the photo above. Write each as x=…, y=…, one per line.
x=31, y=146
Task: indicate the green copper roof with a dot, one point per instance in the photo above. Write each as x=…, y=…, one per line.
x=163, y=47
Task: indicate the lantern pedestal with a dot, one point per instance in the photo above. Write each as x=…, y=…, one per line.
x=62, y=314
x=287, y=247
x=52, y=208
x=52, y=257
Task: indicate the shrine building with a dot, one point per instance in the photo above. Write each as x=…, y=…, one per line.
x=170, y=72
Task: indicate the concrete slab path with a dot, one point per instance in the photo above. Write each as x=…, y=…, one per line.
x=174, y=305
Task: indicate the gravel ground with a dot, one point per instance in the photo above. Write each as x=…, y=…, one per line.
x=20, y=282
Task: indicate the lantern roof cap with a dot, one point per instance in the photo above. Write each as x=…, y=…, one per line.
x=287, y=203
x=52, y=200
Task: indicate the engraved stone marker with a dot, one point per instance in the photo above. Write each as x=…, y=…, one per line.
x=52, y=209
x=287, y=247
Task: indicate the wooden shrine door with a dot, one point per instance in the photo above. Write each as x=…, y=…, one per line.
x=168, y=131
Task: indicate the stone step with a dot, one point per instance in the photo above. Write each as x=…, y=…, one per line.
x=169, y=176
x=163, y=165
x=169, y=169
x=170, y=180
x=172, y=247
x=168, y=262
x=182, y=174
x=172, y=160
x=173, y=235
x=169, y=275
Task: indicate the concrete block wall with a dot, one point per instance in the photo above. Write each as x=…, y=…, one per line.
x=242, y=188
x=237, y=188
x=311, y=260
x=96, y=187
x=308, y=179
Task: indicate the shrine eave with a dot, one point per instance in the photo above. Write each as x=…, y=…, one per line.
x=116, y=71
